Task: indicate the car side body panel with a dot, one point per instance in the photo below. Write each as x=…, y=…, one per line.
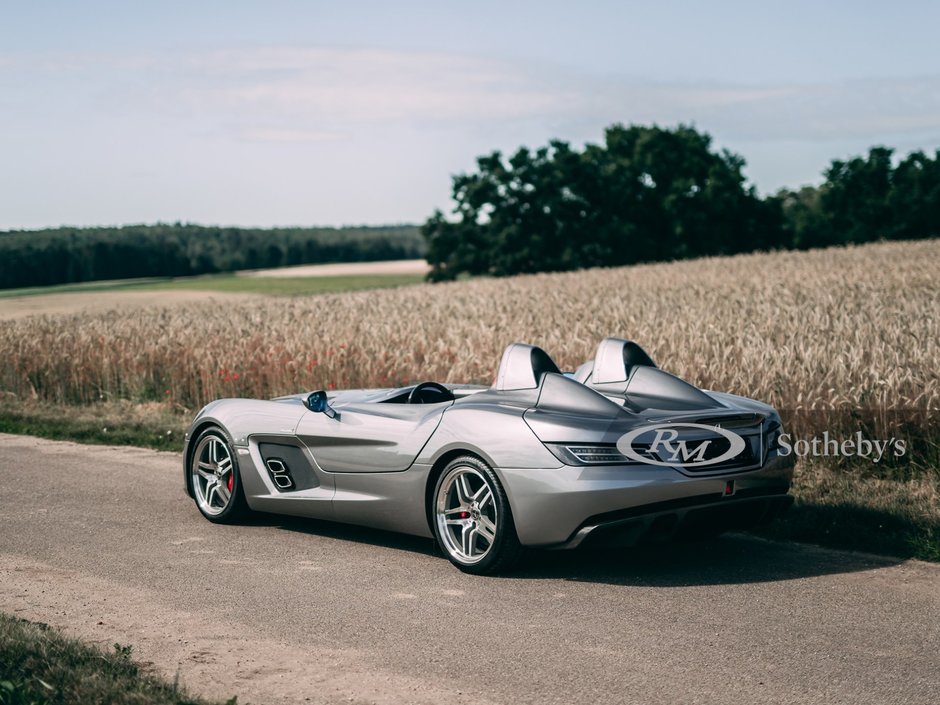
x=369, y=437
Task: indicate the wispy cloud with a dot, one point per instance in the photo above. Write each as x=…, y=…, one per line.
x=288, y=135
x=316, y=95
x=368, y=86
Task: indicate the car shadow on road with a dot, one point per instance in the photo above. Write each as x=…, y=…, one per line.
x=347, y=532
x=729, y=559
x=726, y=560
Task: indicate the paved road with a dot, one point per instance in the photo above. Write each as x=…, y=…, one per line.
x=103, y=542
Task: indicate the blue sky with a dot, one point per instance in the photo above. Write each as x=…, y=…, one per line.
x=280, y=113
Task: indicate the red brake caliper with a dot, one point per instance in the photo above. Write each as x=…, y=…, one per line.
x=231, y=481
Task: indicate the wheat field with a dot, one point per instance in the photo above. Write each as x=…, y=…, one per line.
x=840, y=340
x=849, y=328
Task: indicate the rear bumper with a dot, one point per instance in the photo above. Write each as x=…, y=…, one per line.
x=564, y=507
x=665, y=520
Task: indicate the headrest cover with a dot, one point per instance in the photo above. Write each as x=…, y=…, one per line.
x=522, y=367
x=615, y=360
x=584, y=372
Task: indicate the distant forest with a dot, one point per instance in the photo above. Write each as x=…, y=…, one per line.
x=67, y=255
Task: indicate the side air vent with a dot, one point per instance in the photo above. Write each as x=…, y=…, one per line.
x=288, y=466
x=280, y=474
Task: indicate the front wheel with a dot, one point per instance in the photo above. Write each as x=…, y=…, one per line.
x=472, y=520
x=214, y=478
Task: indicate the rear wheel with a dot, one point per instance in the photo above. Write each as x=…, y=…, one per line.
x=214, y=478
x=472, y=520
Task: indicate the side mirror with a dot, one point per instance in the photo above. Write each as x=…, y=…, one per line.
x=318, y=403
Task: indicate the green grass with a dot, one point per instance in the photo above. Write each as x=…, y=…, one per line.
x=156, y=426
x=230, y=283
x=40, y=666
x=284, y=286
x=891, y=511
x=855, y=527
x=77, y=288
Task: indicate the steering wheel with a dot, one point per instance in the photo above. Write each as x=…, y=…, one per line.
x=416, y=394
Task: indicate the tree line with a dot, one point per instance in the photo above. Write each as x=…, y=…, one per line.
x=645, y=194
x=66, y=255
x=651, y=194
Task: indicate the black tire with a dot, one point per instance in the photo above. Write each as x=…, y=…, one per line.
x=208, y=448
x=504, y=549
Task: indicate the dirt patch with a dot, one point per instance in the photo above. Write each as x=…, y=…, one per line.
x=100, y=301
x=404, y=266
x=211, y=658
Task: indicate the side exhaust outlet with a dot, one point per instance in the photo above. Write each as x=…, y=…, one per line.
x=280, y=474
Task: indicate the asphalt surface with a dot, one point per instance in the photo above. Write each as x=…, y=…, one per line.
x=103, y=542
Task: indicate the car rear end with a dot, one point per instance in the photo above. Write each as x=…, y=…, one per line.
x=629, y=493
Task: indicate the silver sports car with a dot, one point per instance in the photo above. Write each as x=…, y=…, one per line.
x=618, y=451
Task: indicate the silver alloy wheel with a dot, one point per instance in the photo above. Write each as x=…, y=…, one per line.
x=466, y=515
x=213, y=479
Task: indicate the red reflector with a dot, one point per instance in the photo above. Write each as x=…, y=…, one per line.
x=729, y=487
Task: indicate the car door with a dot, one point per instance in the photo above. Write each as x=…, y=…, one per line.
x=370, y=437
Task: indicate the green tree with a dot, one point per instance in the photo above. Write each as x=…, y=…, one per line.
x=914, y=200
x=647, y=193
x=855, y=199
x=803, y=218
x=866, y=198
